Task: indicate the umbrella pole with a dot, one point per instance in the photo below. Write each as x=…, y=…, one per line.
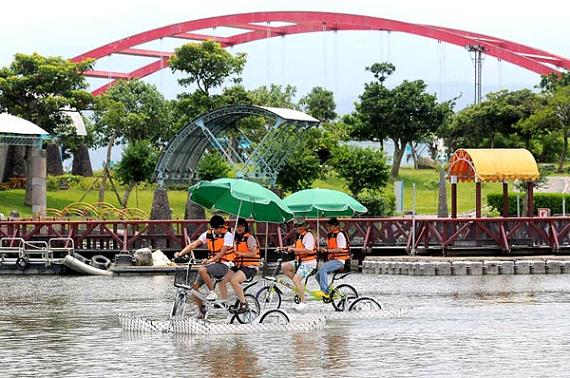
x=318, y=237
x=237, y=217
x=266, y=239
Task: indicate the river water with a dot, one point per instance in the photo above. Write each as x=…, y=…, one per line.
x=432, y=326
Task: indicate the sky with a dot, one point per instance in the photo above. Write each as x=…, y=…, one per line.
x=334, y=60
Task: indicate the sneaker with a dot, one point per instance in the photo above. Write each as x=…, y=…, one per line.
x=320, y=294
x=301, y=307
x=212, y=296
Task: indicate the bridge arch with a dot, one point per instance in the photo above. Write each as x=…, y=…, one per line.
x=295, y=22
x=177, y=164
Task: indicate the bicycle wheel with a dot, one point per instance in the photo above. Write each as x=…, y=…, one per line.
x=269, y=297
x=365, y=304
x=275, y=317
x=342, y=295
x=252, y=311
x=179, y=303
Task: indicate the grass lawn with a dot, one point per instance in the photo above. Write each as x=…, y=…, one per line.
x=425, y=180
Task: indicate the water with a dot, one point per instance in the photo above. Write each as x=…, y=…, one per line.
x=450, y=326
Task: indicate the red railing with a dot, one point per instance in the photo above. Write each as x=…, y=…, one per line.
x=432, y=235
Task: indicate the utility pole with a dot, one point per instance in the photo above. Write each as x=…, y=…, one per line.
x=477, y=57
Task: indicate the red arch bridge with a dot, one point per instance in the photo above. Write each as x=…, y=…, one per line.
x=258, y=25
x=433, y=236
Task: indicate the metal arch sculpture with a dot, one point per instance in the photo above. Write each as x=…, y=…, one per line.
x=535, y=60
x=178, y=162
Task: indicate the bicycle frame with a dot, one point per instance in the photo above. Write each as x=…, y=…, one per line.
x=277, y=279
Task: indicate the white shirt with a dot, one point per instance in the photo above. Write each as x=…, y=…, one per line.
x=309, y=243
x=340, y=242
x=228, y=238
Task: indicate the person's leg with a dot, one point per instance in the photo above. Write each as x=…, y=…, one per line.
x=204, y=274
x=196, y=286
x=288, y=269
x=298, y=281
x=236, y=282
x=223, y=284
x=322, y=274
x=217, y=270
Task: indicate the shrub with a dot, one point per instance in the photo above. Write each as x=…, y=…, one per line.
x=212, y=166
x=361, y=168
x=62, y=182
x=552, y=201
x=378, y=203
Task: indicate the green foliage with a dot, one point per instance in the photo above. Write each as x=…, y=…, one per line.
x=62, y=182
x=361, y=168
x=498, y=121
x=207, y=64
x=378, y=203
x=404, y=114
x=137, y=163
x=320, y=104
x=301, y=170
x=132, y=110
x=552, y=201
x=495, y=200
x=275, y=96
x=38, y=88
x=555, y=80
x=212, y=166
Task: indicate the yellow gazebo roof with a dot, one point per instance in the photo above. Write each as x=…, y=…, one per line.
x=493, y=164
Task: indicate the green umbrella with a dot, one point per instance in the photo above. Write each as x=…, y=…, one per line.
x=323, y=202
x=241, y=198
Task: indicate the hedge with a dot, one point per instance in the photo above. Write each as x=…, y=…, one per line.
x=552, y=201
x=377, y=203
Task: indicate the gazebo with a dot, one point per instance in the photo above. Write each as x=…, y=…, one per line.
x=492, y=165
x=17, y=131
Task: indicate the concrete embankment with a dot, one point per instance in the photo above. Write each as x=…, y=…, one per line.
x=461, y=266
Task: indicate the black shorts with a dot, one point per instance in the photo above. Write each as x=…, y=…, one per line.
x=216, y=270
x=247, y=271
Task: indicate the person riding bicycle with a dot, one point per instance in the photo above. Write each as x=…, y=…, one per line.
x=337, y=254
x=220, y=242
x=246, y=261
x=306, y=259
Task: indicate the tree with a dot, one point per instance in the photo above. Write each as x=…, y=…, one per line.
x=212, y=166
x=361, y=168
x=136, y=165
x=320, y=104
x=495, y=121
x=554, y=116
x=130, y=111
x=40, y=89
x=207, y=64
x=403, y=114
x=300, y=171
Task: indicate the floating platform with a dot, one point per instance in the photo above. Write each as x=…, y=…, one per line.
x=462, y=266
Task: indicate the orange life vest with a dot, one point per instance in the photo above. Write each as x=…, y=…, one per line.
x=215, y=243
x=241, y=246
x=331, y=244
x=299, y=244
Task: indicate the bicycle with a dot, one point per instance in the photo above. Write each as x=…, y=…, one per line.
x=270, y=295
x=184, y=287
